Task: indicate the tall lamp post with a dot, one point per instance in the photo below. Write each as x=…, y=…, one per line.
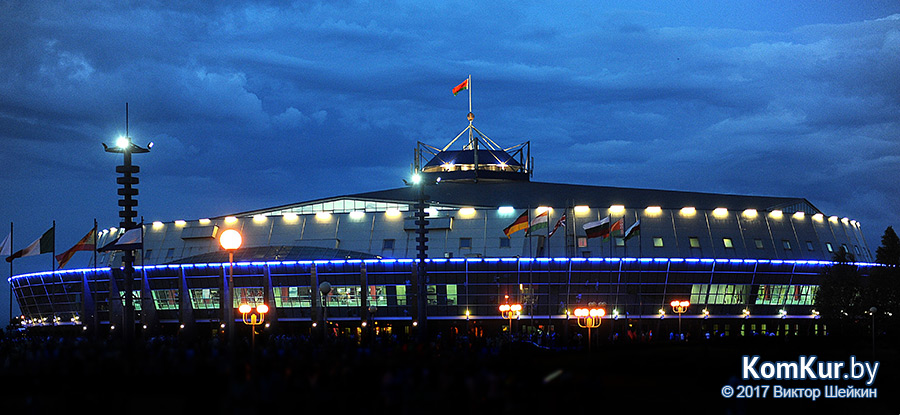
x=589, y=318
x=261, y=311
x=230, y=240
x=679, y=307
x=509, y=312
x=126, y=147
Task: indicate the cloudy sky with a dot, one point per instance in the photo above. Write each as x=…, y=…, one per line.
x=256, y=105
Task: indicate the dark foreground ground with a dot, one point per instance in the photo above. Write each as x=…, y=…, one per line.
x=294, y=375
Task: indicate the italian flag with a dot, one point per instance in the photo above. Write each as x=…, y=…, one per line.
x=42, y=245
x=461, y=87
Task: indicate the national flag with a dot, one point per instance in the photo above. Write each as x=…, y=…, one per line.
x=520, y=223
x=597, y=229
x=560, y=222
x=42, y=245
x=602, y=228
x=633, y=230
x=5, y=248
x=617, y=226
x=541, y=221
x=461, y=87
x=88, y=243
x=130, y=240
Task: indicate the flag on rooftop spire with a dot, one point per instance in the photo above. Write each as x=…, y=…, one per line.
x=88, y=243
x=461, y=87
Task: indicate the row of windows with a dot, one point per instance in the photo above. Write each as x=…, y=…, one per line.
x=658, y=242
x=770, y=294
x=289, y=297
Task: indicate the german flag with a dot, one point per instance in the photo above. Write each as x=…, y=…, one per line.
x=520, y=224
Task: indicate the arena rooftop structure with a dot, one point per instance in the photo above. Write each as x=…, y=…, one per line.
x=745, y=263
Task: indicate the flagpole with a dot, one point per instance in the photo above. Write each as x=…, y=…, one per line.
x=95, y=243
x=10, y=269
x=470, y=95
x=53, y=258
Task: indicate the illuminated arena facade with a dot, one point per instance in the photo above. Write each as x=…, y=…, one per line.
x=746, y=263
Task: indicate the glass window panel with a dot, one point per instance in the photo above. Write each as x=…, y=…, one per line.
x=401, y=294
x=165, y=299
x=249, y=295
x=657, y=242
x=204, y=298
x=695, y=242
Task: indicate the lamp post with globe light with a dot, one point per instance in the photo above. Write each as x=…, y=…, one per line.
x=230, y=240
x=680, y=307
x=247, y=310
x=589, y=318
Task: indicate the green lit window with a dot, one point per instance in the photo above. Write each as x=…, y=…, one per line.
x=431, y=294
x=346, y=296
x=829, y=247
x=728, y=242
x=249, y=295
x=401, y=294
x=292, y=297
x=657, y=242
x=135, y=299
x=777, y=294
x=695, y=242
x=451, y=294
x=377, y=295
x=204, y=298
x=719, y=293
x=619, y=241
x=759, y=243
x=165, y=299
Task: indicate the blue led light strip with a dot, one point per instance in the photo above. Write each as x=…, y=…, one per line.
x=452, y=260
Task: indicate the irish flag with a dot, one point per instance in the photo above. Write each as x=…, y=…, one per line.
x=520, y=223
x=461, y=87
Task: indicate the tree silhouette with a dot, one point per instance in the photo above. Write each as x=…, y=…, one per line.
x=884, y=286
x=839, y=297
x=889, y=251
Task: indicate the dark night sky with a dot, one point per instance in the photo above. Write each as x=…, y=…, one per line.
x=257, y=105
